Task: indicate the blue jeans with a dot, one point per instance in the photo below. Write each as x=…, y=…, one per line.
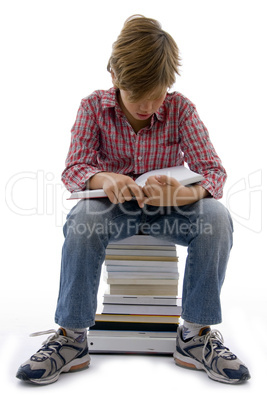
x=205, y=227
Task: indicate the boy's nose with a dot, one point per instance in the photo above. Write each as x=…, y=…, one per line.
x=146, y=107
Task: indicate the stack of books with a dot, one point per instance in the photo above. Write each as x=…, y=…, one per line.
x=141, y=309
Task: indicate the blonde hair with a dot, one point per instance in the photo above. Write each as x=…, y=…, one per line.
x=144, y=58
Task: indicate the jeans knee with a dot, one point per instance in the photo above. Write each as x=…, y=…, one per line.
x=82, y=220
x=219, y=219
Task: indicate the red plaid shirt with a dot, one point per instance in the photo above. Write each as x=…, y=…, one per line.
x=103, y=140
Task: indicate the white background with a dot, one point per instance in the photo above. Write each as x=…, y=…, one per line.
x=53, y=53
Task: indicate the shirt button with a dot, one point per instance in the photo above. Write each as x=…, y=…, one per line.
x=140, y=158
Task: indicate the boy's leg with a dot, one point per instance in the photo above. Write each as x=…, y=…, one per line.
x=210, y=243
x=206, y=227
x=90, y=226
x=88, y=229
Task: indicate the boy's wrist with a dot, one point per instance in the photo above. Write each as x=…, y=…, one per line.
x=96, y=181
x=191, y=194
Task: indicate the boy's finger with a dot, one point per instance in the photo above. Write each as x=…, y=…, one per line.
x=126, y=194
x=112, y=196
x=137, y=192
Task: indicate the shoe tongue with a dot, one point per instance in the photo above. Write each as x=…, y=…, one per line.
x=204, y=331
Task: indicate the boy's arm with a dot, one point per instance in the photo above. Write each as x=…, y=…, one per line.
x=200, y=154
x=81, y=162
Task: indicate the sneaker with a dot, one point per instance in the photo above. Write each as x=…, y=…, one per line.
x=59, y=354
x=207, y=352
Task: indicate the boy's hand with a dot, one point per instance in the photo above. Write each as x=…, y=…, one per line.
x=167, y=191
x=118, y=187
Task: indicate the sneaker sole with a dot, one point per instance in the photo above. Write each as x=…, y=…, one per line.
x=192, y=364
x=75, y=365
x=187, y=362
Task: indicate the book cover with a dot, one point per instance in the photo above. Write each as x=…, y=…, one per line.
x=135, y=345
x=141, y=275
x=141, y=269
x=141, y=240
x=149, y=263
x=142, y=281
x=138, y=247
x=135, y=334
x=140, y=252
x=134, y=326
x=137, y=318
x=140, y=258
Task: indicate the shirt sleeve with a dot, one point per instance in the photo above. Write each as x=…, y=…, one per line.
x=200, y=155
x=81, y=162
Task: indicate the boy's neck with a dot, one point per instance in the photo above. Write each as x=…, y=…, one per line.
x=137, y=126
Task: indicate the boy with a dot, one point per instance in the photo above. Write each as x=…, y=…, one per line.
x=135, y=127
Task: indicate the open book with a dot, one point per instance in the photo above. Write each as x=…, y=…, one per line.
x=181, y=173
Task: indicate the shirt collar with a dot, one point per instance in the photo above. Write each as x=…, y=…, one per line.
x=110, y=100
x=160, y=114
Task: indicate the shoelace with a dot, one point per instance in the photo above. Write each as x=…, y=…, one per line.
x=215, y=340
x=48, y=348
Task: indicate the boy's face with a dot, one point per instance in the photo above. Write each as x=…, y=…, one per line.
x=142, y=109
